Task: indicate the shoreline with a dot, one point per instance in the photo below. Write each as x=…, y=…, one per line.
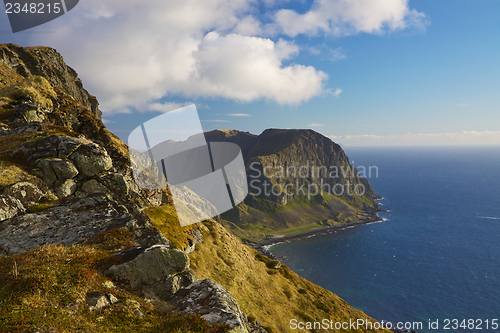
x=263, y=247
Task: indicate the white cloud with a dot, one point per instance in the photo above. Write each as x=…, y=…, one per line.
x=451, y=138
x=131, y=53
x=239, y=114
x=316, y=125
x=337, y=92
x=348, y=17
x=215, y=121
x=165, y=107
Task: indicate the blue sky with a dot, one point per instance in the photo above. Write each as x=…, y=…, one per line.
x=363, y=72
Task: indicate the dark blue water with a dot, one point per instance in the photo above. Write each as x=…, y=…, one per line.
x=436, y=257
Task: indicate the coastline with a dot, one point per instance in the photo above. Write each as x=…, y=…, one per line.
x=263, y=247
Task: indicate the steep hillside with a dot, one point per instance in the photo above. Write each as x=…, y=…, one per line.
x=298, y=180
x=83, y=248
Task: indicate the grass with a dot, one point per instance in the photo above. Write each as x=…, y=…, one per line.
x=271, y=296
x=301, y=215
x=164, y=218
x=36, y=87
x=46, y=288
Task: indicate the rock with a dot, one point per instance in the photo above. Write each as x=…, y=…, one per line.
x=47, y=62
x=97, y=301
x=213, y=303
x=155, y=264
x=197, y=239
x=91, y=159
x=63, y=169
x=28, y=193
x=111, y=298
x=10, y=207
x=48, y=174
x=70, y=223
x=93, y=186
x=165, y=289
x=66, y=189
x=116, y=183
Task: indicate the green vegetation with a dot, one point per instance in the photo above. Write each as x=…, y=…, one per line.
x=268, y=218
x=271, y=298
x=164, y=218
x=46, y=288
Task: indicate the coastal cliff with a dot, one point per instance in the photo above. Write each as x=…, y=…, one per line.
x=298, y=180
x=83, y=248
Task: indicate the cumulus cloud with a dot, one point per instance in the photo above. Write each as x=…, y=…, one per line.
x=451, y=138
x=132, y=54
x=348, y=17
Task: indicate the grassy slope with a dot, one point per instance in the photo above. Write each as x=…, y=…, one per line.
x=273, y=219
x=271, y=296
x=46, y=288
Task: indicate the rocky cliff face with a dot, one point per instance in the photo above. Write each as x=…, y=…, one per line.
x=48, y=63
x=296, y=178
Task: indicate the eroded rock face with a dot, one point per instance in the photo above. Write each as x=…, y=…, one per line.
x=71, y=223
x=213, y=302
x=47, y=62
x=26, y=192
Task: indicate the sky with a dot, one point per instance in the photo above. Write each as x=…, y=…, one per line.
x=362, y=72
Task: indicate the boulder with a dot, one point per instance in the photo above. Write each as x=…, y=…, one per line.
x=93, y=186
x=63, y=169
x=91, y=159
x=155, y=264
x=98, y=300
x=67, y=188
x=165, y=289
x=213, y=303
x=10, y=207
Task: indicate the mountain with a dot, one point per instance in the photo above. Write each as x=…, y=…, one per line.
x=83, y=248
x=298, y=180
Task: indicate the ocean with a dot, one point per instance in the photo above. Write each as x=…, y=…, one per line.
x=436, y=255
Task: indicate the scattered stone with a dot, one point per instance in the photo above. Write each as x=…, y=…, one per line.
x=97, y=301
x=197, y=239
x=10, y=207
x=111, y=298
x=138, y=313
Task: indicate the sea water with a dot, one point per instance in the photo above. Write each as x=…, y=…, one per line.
x=437, y=254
